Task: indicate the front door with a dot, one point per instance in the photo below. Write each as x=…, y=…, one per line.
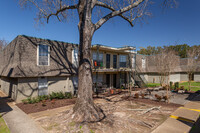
x=42, y=86
x=108, y=80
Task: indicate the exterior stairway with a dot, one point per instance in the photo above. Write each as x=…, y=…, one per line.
x=139, y=79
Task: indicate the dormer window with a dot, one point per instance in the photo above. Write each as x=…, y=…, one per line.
x=43, y=55
x=143, y=63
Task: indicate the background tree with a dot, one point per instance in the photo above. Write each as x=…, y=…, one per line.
x=3, y=44
x=129, y=10
x=181, y=49
x=166, y=62
x=150, y=50
x=191, y=67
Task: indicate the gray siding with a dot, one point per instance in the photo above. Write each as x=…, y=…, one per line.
x=197, y=77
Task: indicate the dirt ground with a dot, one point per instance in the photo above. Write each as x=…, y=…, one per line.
x=37, y=107
x=122, y=116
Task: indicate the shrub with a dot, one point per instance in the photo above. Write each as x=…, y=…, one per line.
x=158, y=97
x=33, y=100
x=68, y=95
x=53, y=101
x=45, y=97
x=43, y=102
x=164, y=88
x=165, y=98
x=29, y=100
x=142, y=95
x=186, y=90
x=53, y=95
x=25, y=101
x=177, y=89
x=61, y=95
x=171, y=85
x=176, y=85
x=182, y=88
x=136, y=95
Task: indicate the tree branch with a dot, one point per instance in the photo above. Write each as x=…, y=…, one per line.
x=98, y=3
x=116, y=13
x=60, y=10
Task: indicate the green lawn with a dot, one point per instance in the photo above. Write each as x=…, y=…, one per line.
x=3, y=126
x=195, y=86
x=153, y=84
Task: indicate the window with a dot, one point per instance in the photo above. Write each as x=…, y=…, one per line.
x=42, y=86
x=114, y=61
x=107, y=60
x=75, y=57
x=133, y=61
x=100, y=78
x=43, y=55
x=122, y=60
x=143, y=62
x=123, y=79
x=95, y=58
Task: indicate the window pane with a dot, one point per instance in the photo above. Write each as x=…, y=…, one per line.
x=101, y=57
x=75, y=58
x=43, y=54
x=122, y=60
x=94, y=56
x=43, y=50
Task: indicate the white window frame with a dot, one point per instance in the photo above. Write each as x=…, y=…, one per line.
x=38, y=55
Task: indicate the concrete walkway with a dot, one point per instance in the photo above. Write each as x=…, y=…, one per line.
x=182, y=120
x=16, y=120
x=19, y=122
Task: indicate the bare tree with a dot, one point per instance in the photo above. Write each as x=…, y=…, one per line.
x=191, y=66
x=166, y=63
x=129, y=10
x=3, y=44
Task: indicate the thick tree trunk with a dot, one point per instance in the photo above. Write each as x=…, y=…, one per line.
x=85, y=110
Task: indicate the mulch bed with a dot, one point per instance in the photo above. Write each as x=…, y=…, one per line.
x=37, y=107
x=153, y=102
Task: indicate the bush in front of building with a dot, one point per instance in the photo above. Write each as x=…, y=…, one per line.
x=176, y=85
x=53, y=95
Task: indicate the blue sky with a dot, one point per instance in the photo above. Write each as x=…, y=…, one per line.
x=174, y=26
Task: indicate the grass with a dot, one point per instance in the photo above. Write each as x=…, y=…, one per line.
x=153, y=84
x=192, y=84
x=3, y=126
x=195, y=86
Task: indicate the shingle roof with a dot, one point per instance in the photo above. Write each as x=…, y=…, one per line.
x=19, y=58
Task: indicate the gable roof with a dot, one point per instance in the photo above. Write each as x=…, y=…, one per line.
x=19, y=58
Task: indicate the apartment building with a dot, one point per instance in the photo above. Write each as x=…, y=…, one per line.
x=32, y=66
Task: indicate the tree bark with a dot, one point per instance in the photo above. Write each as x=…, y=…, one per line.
x=85, y=110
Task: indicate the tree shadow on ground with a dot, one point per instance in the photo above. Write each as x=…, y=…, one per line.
x=194, y=96
x=4, y=107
